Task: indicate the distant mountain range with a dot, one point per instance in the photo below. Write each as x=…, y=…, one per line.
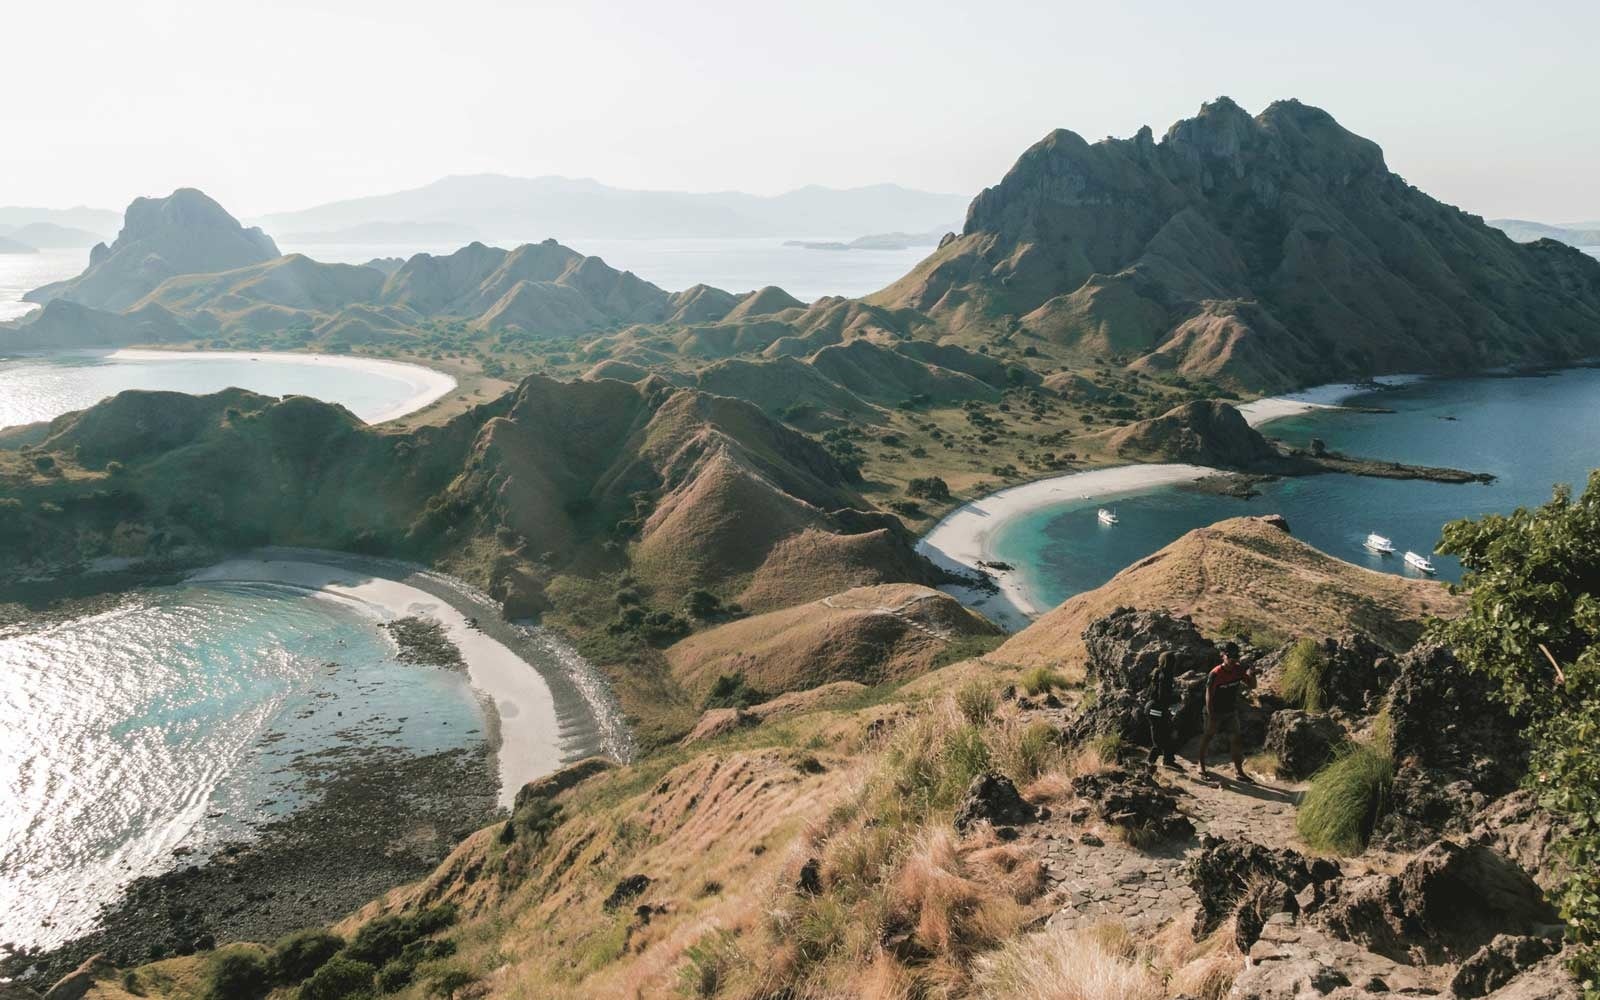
x=1577, y=234
x=80, y=227
x=520, y=208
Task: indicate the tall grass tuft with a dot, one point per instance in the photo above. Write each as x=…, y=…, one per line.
x=1038, y=680
x=1304, y=681
x=1345, y=799
x=1062, y=964
x=977, y=701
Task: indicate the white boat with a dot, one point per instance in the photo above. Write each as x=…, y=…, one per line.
x=1107, y=516
x=1419, y=563
x=1378, y=543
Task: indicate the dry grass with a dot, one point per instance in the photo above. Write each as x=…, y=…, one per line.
x=1062, y=964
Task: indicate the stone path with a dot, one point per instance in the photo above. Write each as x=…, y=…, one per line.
x=1096, y=877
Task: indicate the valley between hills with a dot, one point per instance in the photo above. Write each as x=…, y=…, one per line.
x=848, y=784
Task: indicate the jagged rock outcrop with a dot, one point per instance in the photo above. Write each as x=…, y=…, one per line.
x=1224, y=870
x=1266, y=251
x=1135, y=802
x=1499, y=962
x=1455, y=747
x=992, y=798
x=183, y=233
x=1123, y=649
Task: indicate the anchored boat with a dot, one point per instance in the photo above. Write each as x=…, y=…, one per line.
x=1107, y=516
x=1419, y=563
x=1380, y=544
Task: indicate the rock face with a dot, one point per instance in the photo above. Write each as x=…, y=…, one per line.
x=1448, y=901
x=1499, y=962
x=993, y=799
x=183, y=233
x=1265, y=251
x=1123, y=649
x=1455, y=747
x=1302, y=741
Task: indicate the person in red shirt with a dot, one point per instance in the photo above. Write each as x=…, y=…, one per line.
x=1225, y=686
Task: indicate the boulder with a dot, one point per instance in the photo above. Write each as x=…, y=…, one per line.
x=1456, y=749
x=1224, y=870
x=1448, y=901
x=1136, y=802
x=1294, y=961
x=1303, y=741
x=1123, y=648
x=993, y=799
x=1517, y=826
x=626, y=889
x=1548, y=980
x=1500, y=961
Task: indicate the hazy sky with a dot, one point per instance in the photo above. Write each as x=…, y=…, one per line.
x=279, y=104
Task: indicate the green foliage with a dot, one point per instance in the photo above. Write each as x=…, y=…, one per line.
x=447, y=981
x=1345, y=799
x=384, y=939
x=1304, y=680
x=340, y=978
x=1534, y=581
x=237, y=972
x=707, y=964
x=1038, y=680
x=298, y=955
x=977, y=701
x=733, y=691
x=702, y=604
x=967, y=647
x=533, y=823
x=928, y=488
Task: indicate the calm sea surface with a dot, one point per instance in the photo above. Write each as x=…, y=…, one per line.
x=1531, y=432
x=179, y=721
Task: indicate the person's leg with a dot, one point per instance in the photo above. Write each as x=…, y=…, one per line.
x=1205, y=739
x=1236, y=742
x=1153, y=725
x=1167, y=756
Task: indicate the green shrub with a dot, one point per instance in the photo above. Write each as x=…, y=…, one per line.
x=732, y=691
x=707, y=964
x=1345, y=799
x=297, y=956
x=340, y=978
x=446, y=982
x=977, y=701
x=382, y=940
x=965, y=756
x=1040, y=679
x=1304, y=680
x=237, y=972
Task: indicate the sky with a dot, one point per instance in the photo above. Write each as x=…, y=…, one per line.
x=274, y=105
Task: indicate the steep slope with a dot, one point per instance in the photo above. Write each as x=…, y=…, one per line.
x=1203, y=432
x=866, y=634
x=183, y=233
x=1248, y=571
x=294, y=285
x=886, y=376
x=1263, y=251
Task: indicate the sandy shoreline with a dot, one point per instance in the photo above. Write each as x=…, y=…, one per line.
x=524, y=722
x=427, y=385
x=965, y=537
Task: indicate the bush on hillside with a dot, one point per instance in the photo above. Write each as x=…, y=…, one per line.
x=340, y=978
x=378, y=941
x=1533, y=629
x=1345, y=799
x=928, y=488
x=297, y=956
x=1038, y=680
x=732, y=691
x=237, y=972
x=1304, y=681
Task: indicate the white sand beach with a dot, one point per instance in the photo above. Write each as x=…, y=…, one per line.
x=1321, y=397
x=426, y=384
x=965, y=537
x=528, y=730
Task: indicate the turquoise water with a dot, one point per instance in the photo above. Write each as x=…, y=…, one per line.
x=1531, y=432
x=179, y=721
x=33, y=389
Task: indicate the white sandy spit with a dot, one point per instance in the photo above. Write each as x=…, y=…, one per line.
x=529, y=731
x=1321, y=397
x=426, y=384
x=966, y=536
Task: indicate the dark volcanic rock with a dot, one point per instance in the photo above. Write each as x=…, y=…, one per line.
x=1135, y=802
x=992, y=798
x=1455, y=747
x=1224, y=870
x=1123, y=649
x=1446, y=903
x=1499, y=962
x=1303, y=741
x=626, y=889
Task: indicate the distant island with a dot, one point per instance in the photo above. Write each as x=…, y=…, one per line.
x=1577, y=234
x=384, y=233
x=10, y=246
x=878, y=241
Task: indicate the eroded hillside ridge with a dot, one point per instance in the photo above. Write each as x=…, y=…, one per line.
x=1267, y=251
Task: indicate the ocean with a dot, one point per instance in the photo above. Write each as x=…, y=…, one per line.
x=1531, y=432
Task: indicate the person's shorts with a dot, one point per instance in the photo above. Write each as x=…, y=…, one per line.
x=1225, y=722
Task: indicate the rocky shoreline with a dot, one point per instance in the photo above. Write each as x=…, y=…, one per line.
x=380, y=817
